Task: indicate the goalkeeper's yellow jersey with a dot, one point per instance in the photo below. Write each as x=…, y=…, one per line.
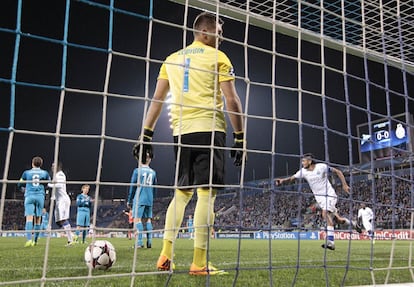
x=194, y=74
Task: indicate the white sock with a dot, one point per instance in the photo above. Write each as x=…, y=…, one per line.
x=68, y=232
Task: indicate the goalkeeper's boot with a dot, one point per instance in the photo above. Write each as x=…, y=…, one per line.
x=328, y=245
x=206, y=270
x=29, y=243
x=164, y=264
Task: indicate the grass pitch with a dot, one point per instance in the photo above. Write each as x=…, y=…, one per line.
x=259, y=263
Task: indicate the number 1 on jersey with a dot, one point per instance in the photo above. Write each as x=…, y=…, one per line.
x=186, y=74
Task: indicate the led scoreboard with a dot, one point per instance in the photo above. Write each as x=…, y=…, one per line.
x=387, y=138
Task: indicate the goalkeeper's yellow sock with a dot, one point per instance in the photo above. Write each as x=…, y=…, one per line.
x=174, y=219
x=200, y=257
x=203, y=218
x=167, y=248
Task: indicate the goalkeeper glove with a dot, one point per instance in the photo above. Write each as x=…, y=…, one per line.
x=146, y=148
x=238, y=144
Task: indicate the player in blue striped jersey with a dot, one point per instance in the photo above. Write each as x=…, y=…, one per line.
x=83, y=216
x=141, y=197
x=33, y=181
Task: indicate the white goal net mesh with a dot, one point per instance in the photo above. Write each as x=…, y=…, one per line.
x=335, y=78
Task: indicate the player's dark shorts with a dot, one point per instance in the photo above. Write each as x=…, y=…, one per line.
x=194, y=162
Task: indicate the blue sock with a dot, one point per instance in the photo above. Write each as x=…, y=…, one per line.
x=83, y=235
x=43, y=227
x=140, y=228
x=36, y=234
x=371, y=234
x=149, y=233
x=29, y=229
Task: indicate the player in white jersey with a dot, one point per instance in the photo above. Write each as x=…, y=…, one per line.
x=316, y=174
x=366, y=217
x=62, y=206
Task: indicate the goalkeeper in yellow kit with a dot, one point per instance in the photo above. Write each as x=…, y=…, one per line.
x=196, y=77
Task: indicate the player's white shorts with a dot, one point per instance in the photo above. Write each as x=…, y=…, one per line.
x=367, y=225
x=327, y=203
x=62, y=210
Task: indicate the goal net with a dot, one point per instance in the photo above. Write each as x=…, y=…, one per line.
x=333, y=78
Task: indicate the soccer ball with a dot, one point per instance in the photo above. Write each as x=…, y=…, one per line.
x=100, y=255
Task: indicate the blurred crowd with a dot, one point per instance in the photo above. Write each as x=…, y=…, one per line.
x=262, y=205
x=292, y=207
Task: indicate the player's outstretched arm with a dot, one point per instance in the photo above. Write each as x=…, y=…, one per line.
x=341, y=176
x=280, y=181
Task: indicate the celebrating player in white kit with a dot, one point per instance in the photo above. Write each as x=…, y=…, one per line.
x=366, y=217
x=62, y=207
x=317, y=176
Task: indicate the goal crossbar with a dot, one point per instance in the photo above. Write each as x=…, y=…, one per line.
x=228, y=9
